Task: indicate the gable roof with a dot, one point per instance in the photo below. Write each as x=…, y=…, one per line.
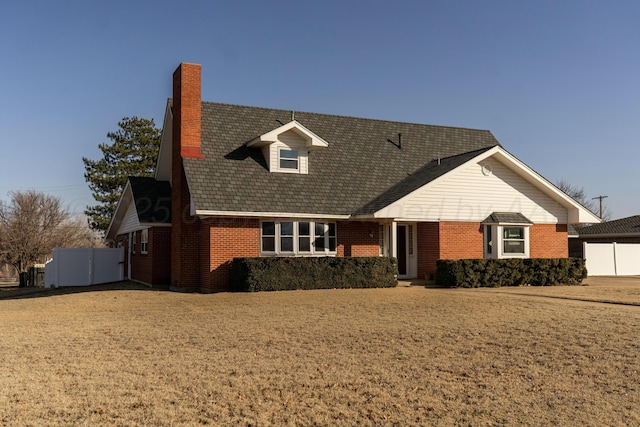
x=144, y=202
x=152, y=199
x=432, y=170
x=623, y=226
x=364, y=162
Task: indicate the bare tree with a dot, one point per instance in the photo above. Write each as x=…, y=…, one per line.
x=32, y=224
x=579, y=195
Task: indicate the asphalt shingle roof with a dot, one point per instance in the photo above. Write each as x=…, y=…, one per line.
x=359, y=171
x=629, y=225
x=152, y=199
x=507, y=218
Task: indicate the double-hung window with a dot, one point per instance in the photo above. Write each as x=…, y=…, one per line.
x=513, y=240
x=289, y=237
x=288, y=159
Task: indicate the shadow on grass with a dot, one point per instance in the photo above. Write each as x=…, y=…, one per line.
x=16, y=292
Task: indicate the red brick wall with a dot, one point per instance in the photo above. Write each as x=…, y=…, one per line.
x=354, y=239
x=461, y=240
x=548, y=241
x=428, y=234
x=222, y=240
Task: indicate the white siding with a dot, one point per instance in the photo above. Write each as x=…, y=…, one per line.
x=130, y=221
x=472, y=193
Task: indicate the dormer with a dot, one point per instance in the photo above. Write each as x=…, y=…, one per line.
x=286, y=149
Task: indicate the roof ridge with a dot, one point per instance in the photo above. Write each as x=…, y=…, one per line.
x=345, y=116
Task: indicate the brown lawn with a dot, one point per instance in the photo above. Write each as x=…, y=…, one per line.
x=404, y=356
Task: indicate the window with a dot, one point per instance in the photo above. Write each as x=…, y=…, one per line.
x=298, y=238
x=133, y=242
x=506, y=241
x=288, y=159
x=304, y=236
x=381, y=239
x=489, y=239
x=144, y=241
x=513, y=240
x=286, y=236
x=268, y=236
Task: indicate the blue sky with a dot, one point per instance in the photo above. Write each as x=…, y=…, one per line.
x=557, y=82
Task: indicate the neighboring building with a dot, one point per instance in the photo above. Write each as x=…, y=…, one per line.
x=624, y=230
x=246, y=181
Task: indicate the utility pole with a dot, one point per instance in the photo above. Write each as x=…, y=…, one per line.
x=600, y=197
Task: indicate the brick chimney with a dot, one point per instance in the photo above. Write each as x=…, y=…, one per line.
x=187, y=109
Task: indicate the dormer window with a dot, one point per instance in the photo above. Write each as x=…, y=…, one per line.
x=286, y=149
x=288, y=159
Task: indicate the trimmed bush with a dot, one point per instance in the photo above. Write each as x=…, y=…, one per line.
x=287, y=273
x=473, y=273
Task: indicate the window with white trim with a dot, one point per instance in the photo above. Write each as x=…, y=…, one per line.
x=513, y=240
x=288, y=159
x=144, y=241
x=506, y=241
x=289, y=237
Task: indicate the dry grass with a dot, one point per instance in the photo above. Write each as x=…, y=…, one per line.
x=405, y=356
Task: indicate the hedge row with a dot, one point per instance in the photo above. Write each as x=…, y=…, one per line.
x=473, y=273
x=276, y=274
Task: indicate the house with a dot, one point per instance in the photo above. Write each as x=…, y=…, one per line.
x=246, y=182
x=623, y=230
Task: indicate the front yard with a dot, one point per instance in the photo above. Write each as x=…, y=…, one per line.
x=401, y=356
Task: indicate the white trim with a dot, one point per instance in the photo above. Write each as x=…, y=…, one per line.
x=313, y=141
x=497, y=237
x=270, y=214
x=118, y=214
x=295, y=236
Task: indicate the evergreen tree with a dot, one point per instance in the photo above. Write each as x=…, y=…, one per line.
x=133, y=152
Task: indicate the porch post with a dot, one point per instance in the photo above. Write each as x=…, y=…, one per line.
x=394, y=236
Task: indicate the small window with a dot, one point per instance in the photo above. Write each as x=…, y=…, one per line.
x=513, y=240
x=144, y=241
x=289, y=159
x=268, y=236
x=304, y=236
x=489, y=239
x=381, y=239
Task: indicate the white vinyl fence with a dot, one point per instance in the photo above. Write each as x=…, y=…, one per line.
x=84, y=267
x=612, y=259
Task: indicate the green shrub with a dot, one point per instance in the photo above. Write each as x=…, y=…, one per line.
x=473, y=273
x=288, y=273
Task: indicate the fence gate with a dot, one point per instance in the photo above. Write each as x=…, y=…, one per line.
x=84, y=267
x=612, y=259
